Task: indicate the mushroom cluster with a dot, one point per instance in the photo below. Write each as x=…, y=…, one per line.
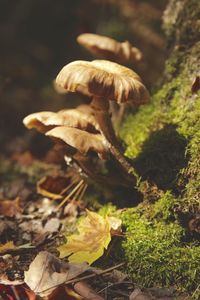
x=107, y=48
x=86, y=133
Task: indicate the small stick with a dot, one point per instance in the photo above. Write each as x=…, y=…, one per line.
x=72, y=192
x=93, y=275
x=79, y=191
x=69, y=186
x=88, y=276
x=83, y=192
x=114, y=284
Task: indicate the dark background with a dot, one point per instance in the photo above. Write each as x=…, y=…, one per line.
x=38, y=37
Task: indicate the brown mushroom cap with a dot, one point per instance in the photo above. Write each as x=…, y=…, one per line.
x=81, y=140
x=102, y=78
x=44, y=121
x=108, y=48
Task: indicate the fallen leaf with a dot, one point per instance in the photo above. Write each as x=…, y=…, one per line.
x=137, y=294
x=52, y=225
x=30, y=295
x=9, y=246
x=10, y=208
x=46, y=272
x=51, y=187
x=86, y=291
x=89, y=244
x=6, y=247
x=64, y=293
x=115, y=224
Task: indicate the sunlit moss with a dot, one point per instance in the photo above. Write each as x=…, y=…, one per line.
x=163, y=139
x=156, y=254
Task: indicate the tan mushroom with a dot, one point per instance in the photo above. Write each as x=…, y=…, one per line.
x=81, y=140
x=81, y=118
x=84, y=142
x=58, y=89
x=38, y=121
x=108, y=48
x=74, y=142
x=103, y=80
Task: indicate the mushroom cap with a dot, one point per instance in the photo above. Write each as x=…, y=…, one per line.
x=58, y=89
x=104, y=79
x=38, y=121
x=45, y=120
x=108, y=48
x=81, y=140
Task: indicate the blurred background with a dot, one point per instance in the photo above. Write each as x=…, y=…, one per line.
x=38, y=37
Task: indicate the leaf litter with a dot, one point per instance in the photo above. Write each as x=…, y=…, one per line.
x=32, y=230
x=36, y=233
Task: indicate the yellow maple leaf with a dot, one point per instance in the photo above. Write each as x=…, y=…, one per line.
x=87, y=246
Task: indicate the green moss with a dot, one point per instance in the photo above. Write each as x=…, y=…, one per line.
x=155, y=251
x=182, y=22
x=163, y=139
x=135, y=131
x=163, y=209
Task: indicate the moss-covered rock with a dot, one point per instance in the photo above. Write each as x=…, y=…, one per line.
x=163, y=139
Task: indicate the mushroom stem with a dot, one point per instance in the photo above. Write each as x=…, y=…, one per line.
x=107, y=181
x=101, y=112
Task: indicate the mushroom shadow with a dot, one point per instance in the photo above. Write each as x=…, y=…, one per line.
x=162, y=157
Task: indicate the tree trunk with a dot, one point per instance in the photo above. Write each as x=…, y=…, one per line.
x=163, y=138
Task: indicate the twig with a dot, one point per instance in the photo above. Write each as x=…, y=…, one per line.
x=73, y=281
x=114, y=284
x=68, y=197
x=93, y=275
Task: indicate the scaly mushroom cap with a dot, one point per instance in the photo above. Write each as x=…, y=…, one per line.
x=81, y=140
x=44, y=121
x=105, y=79
x=108, y=48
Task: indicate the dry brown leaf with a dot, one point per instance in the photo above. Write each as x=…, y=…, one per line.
x=64, y=293
x=6, y=247
x=52, y=187
x=86, y=291
x=46, y=272
x=10, y=208
x=137, y=294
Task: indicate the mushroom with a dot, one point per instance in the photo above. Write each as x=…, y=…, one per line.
x=68, y=126
x=103, y=80
x=80, y=140
x=108, y=48
x=83, y=142
x=81, y=118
